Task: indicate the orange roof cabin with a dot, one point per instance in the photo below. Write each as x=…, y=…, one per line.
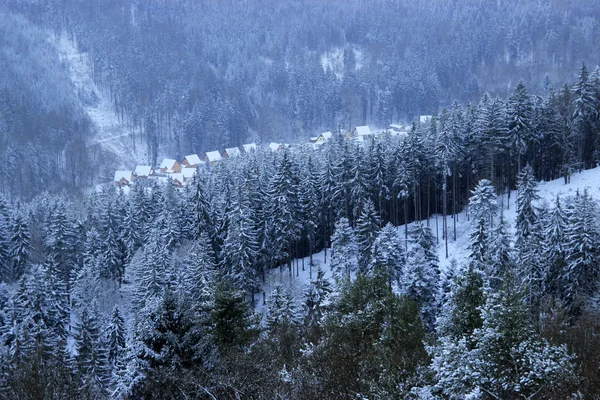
x=232, y=152
x=143, y=172
x=211, y=157
x=170, y=166
x=191, y=161
x=123, y=178
x=177, y=179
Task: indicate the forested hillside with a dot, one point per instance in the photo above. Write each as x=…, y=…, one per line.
x=198, y=75
x=43, y=128
x=438, y=262
x=161, y=291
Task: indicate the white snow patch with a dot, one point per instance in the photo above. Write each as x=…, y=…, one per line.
x=111, y=134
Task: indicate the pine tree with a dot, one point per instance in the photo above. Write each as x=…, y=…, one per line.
x=461, y=314
x=367, y=228
x=387, y=255
x=519, y=115
x=115, y=338
x=527, y=240
x=315, y=303
x=19, y=246
x=199, y=268
x=344, y=249
x=153, y=273
x=555, y=231
x=582, y=243
x=282, y=310
x=91, y=358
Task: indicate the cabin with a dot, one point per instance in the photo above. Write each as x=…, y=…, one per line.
x=170, y=166
x=232, y=152
x=326, y=135
x=211, y=157
x=123, y=178
x=249, y=147
x=423, y=119
x=362, y=131
x=322, y=138
x=191, y=161
x=178, y=179
x=143, y=172
x=188, y=174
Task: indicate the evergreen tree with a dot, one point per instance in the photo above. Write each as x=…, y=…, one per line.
x=91, y=358
x=19, y=246
x=367, y=228
x=316, y=297
x=582, y=244
x=387, y=255
x=115, y=338
x=344, y=249
x=519, y=115
x=527, y=240
x=555, y=231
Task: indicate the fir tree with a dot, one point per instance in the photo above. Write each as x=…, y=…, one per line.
x=115, y=338
x=19, y=246
x=91, y=358
x=367, y=228
x=344, y=259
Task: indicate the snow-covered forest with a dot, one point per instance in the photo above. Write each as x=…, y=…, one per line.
x=461, y=261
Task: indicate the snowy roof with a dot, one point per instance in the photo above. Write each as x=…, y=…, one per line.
x=193, y=159
x=177, y=177
x=143, y=170
x=274, y=146
x=213, y=156
x=128, y=175
x=188, y=173
x=249, y=147
x=424, y=118
x=363, y=130
x=327, y=135
x=314, y=138
x=233, y=151
x=168, y=163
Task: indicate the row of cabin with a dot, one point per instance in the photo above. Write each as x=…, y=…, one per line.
x=180, y=173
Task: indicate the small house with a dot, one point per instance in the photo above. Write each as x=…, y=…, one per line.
x=188, y=174
x=362, y=131
x=170, y=166
x=211, y=157
x=191, y=161
x=232, y=152
x=123, y=178
x=249, y=147
x=143, y=172
x=178, y=179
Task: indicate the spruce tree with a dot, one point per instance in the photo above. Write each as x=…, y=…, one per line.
x=344, y=249
x=367, y=228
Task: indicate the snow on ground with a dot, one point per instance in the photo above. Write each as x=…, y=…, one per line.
x=297, y=282
x=111, y=134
